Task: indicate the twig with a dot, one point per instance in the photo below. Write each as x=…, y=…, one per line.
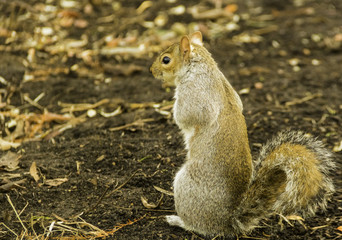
x=99, y=200
x=302, y=100
x=158, y=210
x=139, y=122
x=214, y=237
x=77, y=107
x=64, y=225
x=16, y=213
x=91, y=225
x=9, y=229
x=163, y=191
x=33, y=103
x=23, y=209
x=8, y=186
x=194, y=234
x=72, y=229
x=105, y=192
x=318, y=227
x=286, y=220
x=254, y=238
x=116, y=228
x=31, y=225
x=50, y=229
x=123, y=184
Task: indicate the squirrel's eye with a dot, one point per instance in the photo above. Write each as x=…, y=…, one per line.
x=166, y=60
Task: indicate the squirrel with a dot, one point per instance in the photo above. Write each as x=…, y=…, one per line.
x=220, y=190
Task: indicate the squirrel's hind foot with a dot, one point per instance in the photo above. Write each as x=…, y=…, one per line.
x=175, y=220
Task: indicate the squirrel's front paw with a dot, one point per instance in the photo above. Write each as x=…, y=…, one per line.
x=175, y=220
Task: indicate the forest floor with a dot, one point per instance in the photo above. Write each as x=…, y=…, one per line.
x=89, y=148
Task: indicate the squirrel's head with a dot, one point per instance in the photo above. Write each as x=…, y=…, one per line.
x=170, y=61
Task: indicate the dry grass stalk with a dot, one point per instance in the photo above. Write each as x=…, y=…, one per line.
x=9, y=229
x=105, y=192
x=137, y=123
x=16, y=213
x=122, y=225
x=77, y=107
x=304, y=99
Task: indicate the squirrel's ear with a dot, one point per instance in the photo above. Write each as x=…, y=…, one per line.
x=196, y=38
x=185, y=47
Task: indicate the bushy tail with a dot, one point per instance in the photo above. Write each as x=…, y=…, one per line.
x=291, y=176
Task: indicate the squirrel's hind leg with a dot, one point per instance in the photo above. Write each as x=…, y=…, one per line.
x=175, y=220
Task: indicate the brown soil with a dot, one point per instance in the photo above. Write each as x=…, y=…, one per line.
x=108, y=169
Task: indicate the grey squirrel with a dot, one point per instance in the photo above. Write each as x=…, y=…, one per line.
x=219, y=190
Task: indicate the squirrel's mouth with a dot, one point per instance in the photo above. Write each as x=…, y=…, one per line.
x=158, y=76
x=165, y=77
x=168, y=78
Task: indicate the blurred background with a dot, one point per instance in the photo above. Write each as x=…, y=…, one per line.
x=87, y=132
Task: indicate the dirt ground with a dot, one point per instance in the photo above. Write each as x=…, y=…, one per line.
x=87, y=132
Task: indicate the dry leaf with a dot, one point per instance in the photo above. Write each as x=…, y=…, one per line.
x=339, y=228
x=178, y=10
x=258, y=85
x=18, y=131
x=5, y=32
x=6, y=145
x=91, y=113
x=143, y=6
x=68, y=13
x=66, y=22
x=244, y=91
x=100, y=158
x=81, y=23
x=294, y=217
x=34, y=172
x=231, y=8
x=163, y=191
x=9, y=185
x=9, y=176
x=151, y=205
x=10, y=161
x=338, y=147
x=111, y=114
x=338, y=37
x=146, y=204
x=55, y=182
